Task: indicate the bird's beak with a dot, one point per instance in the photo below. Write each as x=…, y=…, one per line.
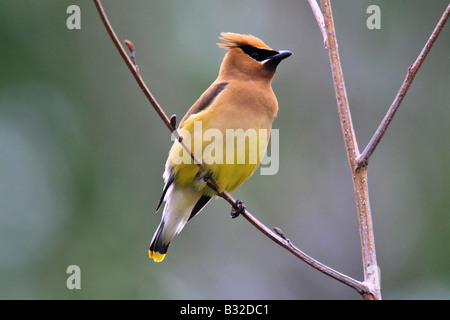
x=281, y=55
x=274, y=60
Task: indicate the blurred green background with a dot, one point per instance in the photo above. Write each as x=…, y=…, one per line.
x=82, y=152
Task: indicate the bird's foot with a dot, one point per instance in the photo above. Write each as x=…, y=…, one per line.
x=207, y=176
x=237, y=209
x=203, y=174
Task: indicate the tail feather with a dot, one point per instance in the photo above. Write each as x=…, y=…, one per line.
x=158, y=249
x=180, y=203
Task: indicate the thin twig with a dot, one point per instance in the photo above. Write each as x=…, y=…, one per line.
x=131, y=63
x=363, y=159
x=319, y=18
x=170, y=123
x=131, y=66
x=280, y=239
x=359, y=176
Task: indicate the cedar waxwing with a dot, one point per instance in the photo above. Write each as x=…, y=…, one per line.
x=241, y=99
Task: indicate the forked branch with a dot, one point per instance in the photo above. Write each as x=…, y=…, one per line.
x=358, y=162
x=371, y=278
x=363, y=159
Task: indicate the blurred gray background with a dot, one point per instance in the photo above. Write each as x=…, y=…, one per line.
x=82, y=152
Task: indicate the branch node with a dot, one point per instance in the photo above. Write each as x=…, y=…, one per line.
x=281, y=234
x=173, y=122
x=410, y=68
x=131, y=47
x=361, y=162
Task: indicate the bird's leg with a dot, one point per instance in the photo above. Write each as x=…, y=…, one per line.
x=206, y=176
x=237, y=209
x=203, y=174
x=202, y=179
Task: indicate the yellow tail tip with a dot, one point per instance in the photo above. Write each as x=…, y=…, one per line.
x=158, y=257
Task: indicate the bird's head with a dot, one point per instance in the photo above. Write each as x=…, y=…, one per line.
x=249, y=57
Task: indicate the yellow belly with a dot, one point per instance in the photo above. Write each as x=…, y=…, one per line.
x=231, y=155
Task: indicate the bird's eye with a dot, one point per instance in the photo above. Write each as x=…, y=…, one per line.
x=258, y=54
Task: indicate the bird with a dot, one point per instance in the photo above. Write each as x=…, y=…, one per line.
x=241, y=99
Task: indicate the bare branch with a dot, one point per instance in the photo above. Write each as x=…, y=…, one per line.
x=359, y=176
x=319, y=17
x=363, y=159
x=281, y=240
x=131, y=65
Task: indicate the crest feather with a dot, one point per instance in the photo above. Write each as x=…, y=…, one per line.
x=235, y=40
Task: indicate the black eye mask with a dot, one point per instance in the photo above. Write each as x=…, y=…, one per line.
x=258, y=54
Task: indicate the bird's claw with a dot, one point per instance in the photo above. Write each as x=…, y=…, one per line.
x=237, y=209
